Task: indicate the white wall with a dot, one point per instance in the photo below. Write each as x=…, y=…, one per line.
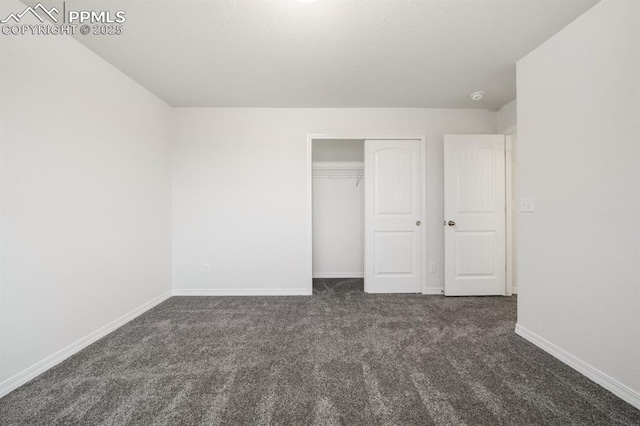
x=338, y=150
x=338, y=228
x=507, y=116
x=85, y=184
x=240, y=188
x=578, y=127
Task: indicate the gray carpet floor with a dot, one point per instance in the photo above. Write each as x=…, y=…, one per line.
x=339, y=357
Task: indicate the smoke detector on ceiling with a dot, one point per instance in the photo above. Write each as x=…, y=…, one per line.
x=478, y=96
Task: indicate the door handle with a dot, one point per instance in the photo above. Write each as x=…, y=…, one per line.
x=418, y=223
x=451, y=223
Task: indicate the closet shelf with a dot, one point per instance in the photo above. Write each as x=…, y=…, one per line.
x=338, y=170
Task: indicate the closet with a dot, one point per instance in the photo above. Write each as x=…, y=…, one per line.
x=338, y=208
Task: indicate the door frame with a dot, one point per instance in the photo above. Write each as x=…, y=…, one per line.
x=511, y=191
x=423, y=206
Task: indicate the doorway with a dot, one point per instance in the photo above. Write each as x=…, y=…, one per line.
x=338, y=214
x=366, y=211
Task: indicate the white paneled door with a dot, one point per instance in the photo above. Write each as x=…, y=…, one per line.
x=474, y=213
x=394, y=229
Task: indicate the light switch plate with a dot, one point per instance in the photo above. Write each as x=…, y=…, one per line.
x=527, y=204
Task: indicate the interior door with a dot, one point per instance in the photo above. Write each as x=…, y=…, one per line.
x=394, y=232
x=474, y=213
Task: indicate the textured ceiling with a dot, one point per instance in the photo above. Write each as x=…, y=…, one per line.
x=329, y=53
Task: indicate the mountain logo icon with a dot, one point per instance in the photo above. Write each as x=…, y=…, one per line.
x=38, y=11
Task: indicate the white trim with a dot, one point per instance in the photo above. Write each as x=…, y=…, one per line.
x=511, y=188
x=439, y=291
x=364, y=137
x=309, y=224
x=614, y=386
x=52, y=360
x=508, y=198
x=345, y=275
x=423, y=197
x=242, y=292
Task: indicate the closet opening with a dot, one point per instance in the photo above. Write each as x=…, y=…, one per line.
x=337, y=215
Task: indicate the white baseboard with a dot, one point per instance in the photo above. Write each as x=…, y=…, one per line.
x=338, y=275
x=52, y=360
x=242, y=292
x=514, y=290
x=621, y=390
x=434, y=291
